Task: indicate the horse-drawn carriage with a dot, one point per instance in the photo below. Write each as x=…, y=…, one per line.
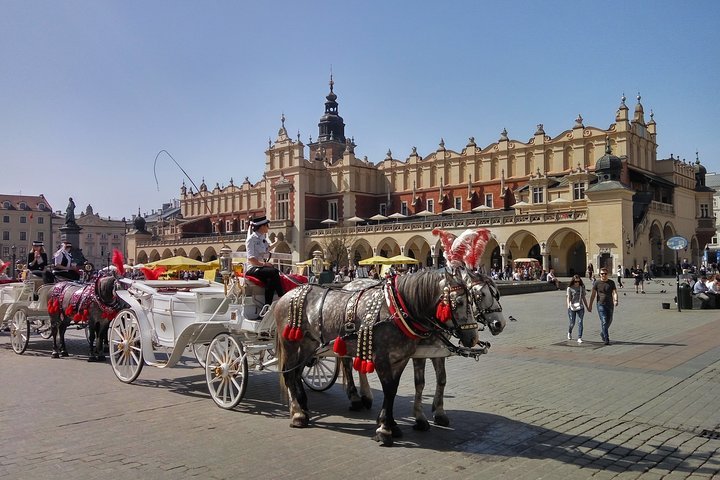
x=23, y=308
x=225, y=326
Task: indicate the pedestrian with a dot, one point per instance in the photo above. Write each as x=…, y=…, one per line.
x=37, y=259
x=620, y=272
x=590, y=271
x=639, y=277
x=576, y=300
x=607, y=300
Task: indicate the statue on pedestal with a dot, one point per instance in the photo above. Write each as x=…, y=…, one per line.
x=70, y=212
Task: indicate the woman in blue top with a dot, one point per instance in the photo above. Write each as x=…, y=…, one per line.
x=258, y=255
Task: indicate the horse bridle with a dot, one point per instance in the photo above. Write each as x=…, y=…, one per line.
x=477, y=298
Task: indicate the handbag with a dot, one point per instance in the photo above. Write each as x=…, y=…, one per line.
x=576, y=306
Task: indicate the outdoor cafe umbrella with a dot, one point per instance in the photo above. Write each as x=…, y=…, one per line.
x=481, y=208
x=451, y=211
x=378, y=217
x=179, y=263
x=397, y=216
x=424, y=213
x=402, y=260
x=377, y=259
x=355, y=219
x=329, y=221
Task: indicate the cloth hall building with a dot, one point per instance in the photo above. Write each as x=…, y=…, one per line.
x=584, y=195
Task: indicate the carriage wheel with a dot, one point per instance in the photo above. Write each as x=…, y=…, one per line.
x=200, y=351
x=226, y=371
x=19, y=332
x=45, y=328
x=126, y=346
x=321, y=373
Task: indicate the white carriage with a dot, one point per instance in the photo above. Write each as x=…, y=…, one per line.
x=223, y=324
x=23, y=308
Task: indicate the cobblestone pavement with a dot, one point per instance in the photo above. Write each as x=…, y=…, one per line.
x=537, y=406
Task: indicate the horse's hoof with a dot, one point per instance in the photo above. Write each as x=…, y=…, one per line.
x=101, y=358
x=356, y=405
x=55, y=355
x=385, y=439
x=442, y=420
x=421, y=425
x=396, y=432
x=92, y=359
x=366, y=402
x=64, y=353
x=299, y=421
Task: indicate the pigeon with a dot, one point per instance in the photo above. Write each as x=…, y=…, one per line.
x=512, y=319
x=663, y=291
x=625, y=294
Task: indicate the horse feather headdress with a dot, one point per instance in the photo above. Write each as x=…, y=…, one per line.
x=465, y=250
x=118, y=261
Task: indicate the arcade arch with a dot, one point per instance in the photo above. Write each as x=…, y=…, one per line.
x=567, y=252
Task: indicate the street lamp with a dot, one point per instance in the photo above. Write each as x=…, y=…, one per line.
x=13, y=261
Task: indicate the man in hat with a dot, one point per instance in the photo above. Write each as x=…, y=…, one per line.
x=37, y=259
x=64, y=266
x=258, y=253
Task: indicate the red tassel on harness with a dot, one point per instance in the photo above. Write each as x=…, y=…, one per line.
x=443, y=312
x=286, y=332
x=363, y=366
x=77, y=317
x=340, y=347
x=370, y=366
x=296, y=334
x=357, y=363
x=69, y=310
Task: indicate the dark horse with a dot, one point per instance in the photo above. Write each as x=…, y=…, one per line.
x=94, y=302
x=380, y=326
x=485, y=302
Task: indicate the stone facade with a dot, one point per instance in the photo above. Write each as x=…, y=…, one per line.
x=585, y=195
x=23, y=218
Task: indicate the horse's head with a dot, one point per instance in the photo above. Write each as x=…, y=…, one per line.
x=462, y=323
x=485, y=300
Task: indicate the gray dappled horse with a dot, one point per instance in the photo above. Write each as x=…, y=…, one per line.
x=485, y=302
x=94, y=302
x=381, y=335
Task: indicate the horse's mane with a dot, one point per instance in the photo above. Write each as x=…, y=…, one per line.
x=420, y=291
x=104, y=289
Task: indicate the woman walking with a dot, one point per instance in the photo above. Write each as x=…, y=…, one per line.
x=576, y=304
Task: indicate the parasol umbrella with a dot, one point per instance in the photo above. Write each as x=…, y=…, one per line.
x=424, y=213
x=308, y=263
x=179, y=263
x=329, y=221
x=378, y=217
x=481, y=208
x=397, y=216
x=355, y=219
x=451, y=211
x=559, y=201
x=403, y=260
x=377, y=259
x=521, y=204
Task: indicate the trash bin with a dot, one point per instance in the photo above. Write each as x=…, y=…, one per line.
x=685, y=297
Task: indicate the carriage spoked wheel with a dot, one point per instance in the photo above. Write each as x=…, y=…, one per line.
x=45, y=329
x=226, y=371
x=320, y=373
x=125, y=344
x=200, y=351
x=19, y=332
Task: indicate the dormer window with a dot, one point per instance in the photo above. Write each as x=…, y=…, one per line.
x=23, y=205
x=41, y=206
x=6, y=204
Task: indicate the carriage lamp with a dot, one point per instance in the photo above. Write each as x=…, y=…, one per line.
x=225, y=264
x=317, y=263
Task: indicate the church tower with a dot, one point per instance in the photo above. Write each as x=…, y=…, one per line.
x=330, y=144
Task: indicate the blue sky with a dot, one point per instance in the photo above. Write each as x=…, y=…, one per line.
x=92, y=90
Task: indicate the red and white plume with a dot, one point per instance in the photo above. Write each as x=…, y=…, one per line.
x=118, y=261
x=470, y=245
x=152, y=274
x=465, y=250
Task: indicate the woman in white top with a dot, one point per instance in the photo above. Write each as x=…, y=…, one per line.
x=576, y=301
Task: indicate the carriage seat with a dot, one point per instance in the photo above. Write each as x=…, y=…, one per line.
x=254, y=297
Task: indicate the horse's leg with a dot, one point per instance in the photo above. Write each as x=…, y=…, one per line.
x=349, y=383
x=293, y=381
x=366, y=396
x=102, y=340
x=54, y=326
x=421, y=422
x=389, y=375
x=92, y=325
x=438, y=407
x=63, y=329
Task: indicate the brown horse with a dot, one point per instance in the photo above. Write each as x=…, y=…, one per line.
x=380, y=326
x=94, y=302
